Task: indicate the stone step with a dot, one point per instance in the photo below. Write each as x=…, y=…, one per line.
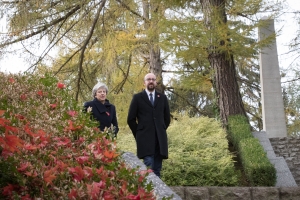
x=283, y=173
x=265, y=142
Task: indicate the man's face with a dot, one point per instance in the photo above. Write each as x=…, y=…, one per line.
x=150, y=82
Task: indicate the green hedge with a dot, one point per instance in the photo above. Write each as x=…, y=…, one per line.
x=198, y=154
x=257, y=167
x=238, y=129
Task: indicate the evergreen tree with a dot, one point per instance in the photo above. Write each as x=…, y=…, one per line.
x=207, y=44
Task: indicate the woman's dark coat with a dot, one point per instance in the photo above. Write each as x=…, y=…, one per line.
x=105, y=114
x=145, y=120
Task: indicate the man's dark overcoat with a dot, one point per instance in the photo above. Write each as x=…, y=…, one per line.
x=146, y=120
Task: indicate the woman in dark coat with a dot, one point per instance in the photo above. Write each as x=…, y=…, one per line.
x=102, y=111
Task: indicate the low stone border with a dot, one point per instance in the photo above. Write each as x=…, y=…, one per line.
x=237, y=193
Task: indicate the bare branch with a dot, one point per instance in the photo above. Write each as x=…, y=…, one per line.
x=52, y=44
x=86, y=42
x=193, y=106
x=119, y=87
x=132, y=11
x=42, y=28
x=292, y=80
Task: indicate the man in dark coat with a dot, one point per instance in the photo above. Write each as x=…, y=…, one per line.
x=148, y=123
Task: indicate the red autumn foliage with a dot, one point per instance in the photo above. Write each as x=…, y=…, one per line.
x=61, y=85
x=49, y=175
x=58, y=152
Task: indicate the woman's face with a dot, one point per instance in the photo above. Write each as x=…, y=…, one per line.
x=101, y=94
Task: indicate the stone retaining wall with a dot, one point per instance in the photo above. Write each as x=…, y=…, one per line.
x=289, y=149
x=237, y=193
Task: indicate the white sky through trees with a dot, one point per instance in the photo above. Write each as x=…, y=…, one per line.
x=286, y=23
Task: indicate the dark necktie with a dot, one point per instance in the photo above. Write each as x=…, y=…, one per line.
x=151, y=99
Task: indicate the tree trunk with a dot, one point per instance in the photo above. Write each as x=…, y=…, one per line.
x=222, y=62
x=155, y=66
x=226, y=86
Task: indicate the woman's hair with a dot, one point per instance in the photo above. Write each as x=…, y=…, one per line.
x=97, y=86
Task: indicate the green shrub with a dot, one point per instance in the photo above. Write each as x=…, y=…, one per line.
x=258, y=168
x=238, y=129
x=198, y=154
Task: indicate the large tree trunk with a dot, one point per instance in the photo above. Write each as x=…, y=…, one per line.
x=226, y=86
x=155, y=65
x=225, y=81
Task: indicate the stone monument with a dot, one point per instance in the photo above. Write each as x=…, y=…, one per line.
x=271, y=93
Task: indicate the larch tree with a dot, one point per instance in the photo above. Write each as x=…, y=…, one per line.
x=73, y=26
x=117, y=42
x=152, y=11
x=222, y=61
x=82, y=29
x=292, y=78
x=291, y=99
x=223, y=38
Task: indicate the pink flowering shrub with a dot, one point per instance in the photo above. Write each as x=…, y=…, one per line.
x=50, y=149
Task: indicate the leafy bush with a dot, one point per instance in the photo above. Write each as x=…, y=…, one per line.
x=238, y=129
x=258, y=168
x=198, y=154
x=49, y=149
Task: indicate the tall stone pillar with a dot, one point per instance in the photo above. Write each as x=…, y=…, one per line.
x=271, y=93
